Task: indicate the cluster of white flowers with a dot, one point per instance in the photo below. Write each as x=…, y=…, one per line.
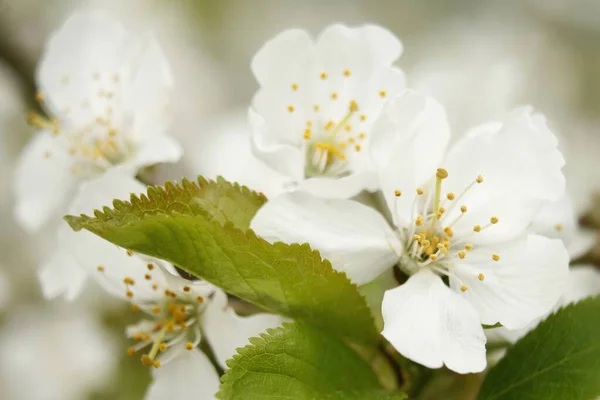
x=471, y=230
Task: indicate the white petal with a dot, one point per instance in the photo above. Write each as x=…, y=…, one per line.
x=225, y=150
x=355, y=238
x=154, y=150
x=62, y=275
x=226, y=331
x=584, y=281
x=521, y=167
x=189, y=376
x=340, y=188
x=147, y=94
x=284, y=158
x=80, y=59
x=289, y=48
x=44, y=182
x=408, y=145
x=525, y=283
x=429, y=324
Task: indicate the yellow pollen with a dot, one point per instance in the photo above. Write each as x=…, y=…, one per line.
x=154, y=286
x=291, y=108
x=462, y=254
x=426, y=243
x=417, y=238
x=348, y=128
x=362, y=135
x=316, y=107
x=156, y=309
x=558, y=227
x=477, y=228
x=100, y=268
x=382, y=93
x=307, y=134
x=186, y=289
x=150, y=267
x=463, y=209
x=357, y=147
x=494, y=220
x=479, y=179
x=481, y=277
x=450, y=196
x=433, y=257
x=363, y=117
x=162, y=347
x=130, y=351
x=294, y=86
x=334, y=96
x=496, y=257
x=347, y=72
x=323, y=75
x=419, y=191
x=309, y=123
x=448, y=231
x=419, y=221
x=329, y=125
x=353, y=106
x=128, y=281
x=189, y=345
x=200, y=299
x=129, y=294
x=39, y=96
x=343, y=145
x=137, y=336
x=468, y=246
x=130, y=253
x=463, y=288
x=442, y=210
x=351, y=140
x=397, y=193
x=147, y=277
x=156, y=364
x=441, y=173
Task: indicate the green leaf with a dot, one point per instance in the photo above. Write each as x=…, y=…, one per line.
x=197, y=227
x=365, y=395
x=560, y=359
x=299, y=362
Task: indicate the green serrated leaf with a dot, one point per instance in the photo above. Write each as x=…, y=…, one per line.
x=365, y=395
x=298, y=362
x=195, y=226
x=560, y=359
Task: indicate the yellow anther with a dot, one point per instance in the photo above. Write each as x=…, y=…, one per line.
x=479, y=179
x=309, y=123
x=417, y=238
x=382, y=93
x=39, y=96
x=200, y=299
x=186, y=289
x=147, y=277
x=363, y=117
x=494, y=220
x=291, y=108
x=162, y=347
x=348, y=128
x=448, y=231
x=419, y=221
x=419, y=191
x=351, y=140
x=347, y=72
x=558, y=227
x=496, y=257
x=357, y=147
x=362, y=135
x=156, y=364
x=441, y=210
x=397, y=193
x=128, y=281
x=334, y=96
x=329, y=125
x=135, y=307
x=343, y=145
x=130, y=253
x=146, y=360
x=462, y=254
x=433, y=257
x=463, y=209
x=323, y=75
x=441, y=173
x=294, y=86
x=477, y=228
x=353, y=106
x=316, y=107
x=450, y=196
x=468, y=246
x=463, y=288
x=481, y=277
x=100, y=268
x=154, y=286
x=189, y=345
x=307, y=134
x=129, y=294
x=156, y=309
x=130, y=351
x=150, y=267
x=137, y=336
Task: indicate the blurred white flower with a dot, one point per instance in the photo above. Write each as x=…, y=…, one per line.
x=5, y=289
x=56, y=352
x=467, y=222
x=312, y=116
x=108, y=94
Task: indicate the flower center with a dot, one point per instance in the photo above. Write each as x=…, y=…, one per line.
x=429, y=240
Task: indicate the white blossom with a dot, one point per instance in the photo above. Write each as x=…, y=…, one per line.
x=312, y=117
x=107, y=94
x=460, y=214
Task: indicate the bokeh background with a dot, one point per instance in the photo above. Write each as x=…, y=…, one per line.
x=480, y=59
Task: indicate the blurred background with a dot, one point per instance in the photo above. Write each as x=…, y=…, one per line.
x=480, y=59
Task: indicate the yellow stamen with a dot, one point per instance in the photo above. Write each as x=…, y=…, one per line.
x=463, y=288
x=494, y=220
x=481, y=277
x=397, y=193
x=496, y=257
x=477, y=228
